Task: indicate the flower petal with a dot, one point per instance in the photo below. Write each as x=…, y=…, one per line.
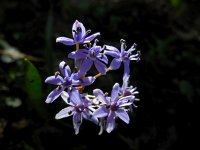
x=101, y=67
x=65, y=69
x=54, y=95
x=78, y=31
x=81, y=53
x=88, y=81
x=91, y=37
x=126, y=69
x=112, y=53
x=85, y=66
x=102, y=57
x=122, y=114
x=75, y=97
x=101, y=112
x=66, y=112
x=111, y=48
x=55, y=80
x=115, y=64
x=65, y=97
x=65, y=40
x=115, y=92
x=100, y=96
x=110, y=124
x=77, y=120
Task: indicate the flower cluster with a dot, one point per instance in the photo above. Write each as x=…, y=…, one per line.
x=100, y=107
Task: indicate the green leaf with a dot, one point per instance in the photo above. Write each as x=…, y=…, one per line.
x=33, y=88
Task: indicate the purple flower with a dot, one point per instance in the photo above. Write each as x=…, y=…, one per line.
x=126, y=90
x=112, y=107
x=67, y=81
x=122, y=56
x=79, y=108
x=80, y=35
x=89, y=56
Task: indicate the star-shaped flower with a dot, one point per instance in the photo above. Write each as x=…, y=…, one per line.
x=79, y=108
x=80, y=35
x=112, y=107
x=122, y=56
x=89, y=56
x=67, y=81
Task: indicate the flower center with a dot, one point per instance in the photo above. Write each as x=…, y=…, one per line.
x=68, y=81
x=92, y=55
x=79, y=108
x=113, y=107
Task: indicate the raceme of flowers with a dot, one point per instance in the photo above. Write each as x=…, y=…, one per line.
x=101, y=108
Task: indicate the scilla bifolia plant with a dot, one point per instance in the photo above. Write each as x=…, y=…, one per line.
x=101, y=108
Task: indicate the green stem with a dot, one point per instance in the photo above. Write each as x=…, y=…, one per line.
x=99, y=74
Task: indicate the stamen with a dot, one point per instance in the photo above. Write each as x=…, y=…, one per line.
x=104, y=47
x=102, y=54
x=122, y=41
x=85, y=45
x=59, y=88
x=88, y=31
x=56, y=74
x=134, y=45
x=96, y=40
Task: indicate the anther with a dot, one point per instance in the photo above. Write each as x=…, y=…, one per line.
x=57, y=73
x=88, y=31
x=104, y=47
x=122, y=41
x=96, y=40
x=59, y=87
x=139, y=53
x=134, y=45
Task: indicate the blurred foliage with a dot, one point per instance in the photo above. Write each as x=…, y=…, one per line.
x=167, y=33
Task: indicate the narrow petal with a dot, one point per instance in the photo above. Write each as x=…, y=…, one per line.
x=101, y=67
x=101, y=112
x=126, y=69
x=115, y=64
x=91, y=37
x=88, y=81
x=82, y=53
x=78, y=31
x=111, y=48
x=54, y=95
x=66, y=112
x=131, y=49
x=86, y=65
x=122, y=114
x=112, y=53
x=65, y=40
x=75, y=97
x=103, y=58
x=100, y=96
x=65, y=97
x=115, y=92
x=130, y=97
x=110, y=125
x=123, y=45
x=55, y=80
x=77, y=120
x=124, y=103
x=65, y=69
x=125, y=83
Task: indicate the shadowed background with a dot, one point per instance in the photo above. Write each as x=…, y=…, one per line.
x=167, y=34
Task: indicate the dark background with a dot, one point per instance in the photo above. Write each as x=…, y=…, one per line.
x=167, y=34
